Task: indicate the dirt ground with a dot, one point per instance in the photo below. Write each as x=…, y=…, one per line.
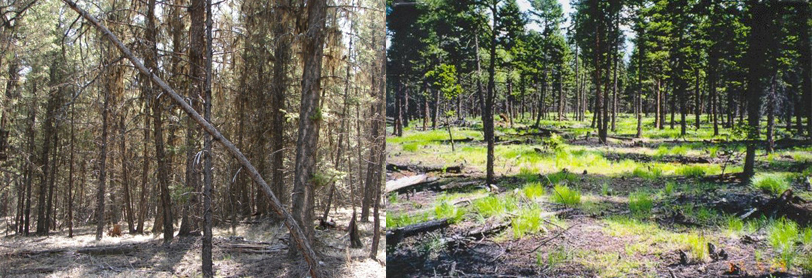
x=59, y=256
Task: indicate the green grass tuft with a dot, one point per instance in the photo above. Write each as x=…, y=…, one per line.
x=562, y=194
x=494, y=206
x=528, y=175
x=411, y=147
x=446, y=210
x=533, y=190
x=770, y=183
x=669, y=188
x=649, y=173
x=527, y=221
x=640, y=204
x=692, y=171
x=782, y=235
x=698, y=246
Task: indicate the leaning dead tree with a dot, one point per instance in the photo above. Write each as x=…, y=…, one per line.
x=296, y=232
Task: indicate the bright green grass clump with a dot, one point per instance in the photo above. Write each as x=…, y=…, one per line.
x=735, y=225
x=698, y=246
x=562, y=194
x=533, y=190
x=527, y=221
x=446, y=210
x=404, y=219
x=675, y=150
x=649, y=173
x=640, y=203
x=772, y=183
x=692, y=171
x=411, y=147
x=782, y=235
x=494, y=206
x=561, y=177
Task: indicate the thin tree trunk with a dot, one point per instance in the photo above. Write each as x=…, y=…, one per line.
x=126, y=177
x=697, y=100
x=207, y=167
x=70, y=171
x=102, y=166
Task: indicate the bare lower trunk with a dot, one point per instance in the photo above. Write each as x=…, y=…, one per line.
x=102, y=172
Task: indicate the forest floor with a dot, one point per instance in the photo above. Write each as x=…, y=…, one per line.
x=566, y=206
x=255, y=250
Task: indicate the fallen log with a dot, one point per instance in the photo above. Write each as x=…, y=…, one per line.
x=465, y=140
x=428, y=183
x=28, y=271
x=91, y=250
x=424, y=169
x=621, y=138
x=394, y=237
x=405, y=182
x=253, y=248
x=483, y=231
x=107, y=250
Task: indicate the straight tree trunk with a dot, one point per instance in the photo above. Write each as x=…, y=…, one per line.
x=375, y=176
x=599, y=99
x=126, y=177
x=487, y=109
x=771, y=115
x=207, y=167
x=102, y=165
x=309, y=121
x=282, y=53
x=197, y=45
x=30, y=167
x=70, y=172
x=806, y=65
x=697, y=100
x=757, y=41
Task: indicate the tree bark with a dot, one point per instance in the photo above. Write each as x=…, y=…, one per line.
x=70, y=171
x=126, y=177
x=281, y=67
x=487, y=108
x=310, y=117
x=102, y=165
x=207, y=154
x=757, y=40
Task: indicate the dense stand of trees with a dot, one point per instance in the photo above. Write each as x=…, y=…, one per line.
x=87, y=116
x=727, y=64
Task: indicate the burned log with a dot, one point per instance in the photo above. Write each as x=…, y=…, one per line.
x=391, y=167
x=785, y=205
x=465, y=140
x=394, y=237
x=107, y=250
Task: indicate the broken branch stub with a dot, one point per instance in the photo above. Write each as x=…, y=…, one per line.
x=296, y=232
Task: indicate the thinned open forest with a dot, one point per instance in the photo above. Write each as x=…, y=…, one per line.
x=562, y=204
x=593, y=138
